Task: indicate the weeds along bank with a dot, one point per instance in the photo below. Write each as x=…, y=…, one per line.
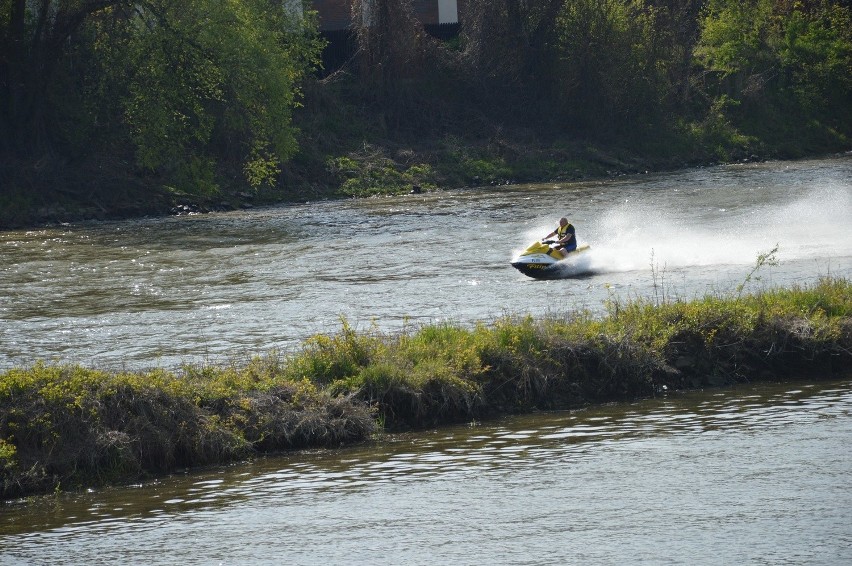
x=62, y=427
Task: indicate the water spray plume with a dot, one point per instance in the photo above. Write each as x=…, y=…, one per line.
x=625, y=236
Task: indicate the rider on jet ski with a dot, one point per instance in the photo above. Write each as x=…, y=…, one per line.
x=565, y=232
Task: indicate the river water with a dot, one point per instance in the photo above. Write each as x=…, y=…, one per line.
x=757, y=474
x=217, y=287
x=753, y=475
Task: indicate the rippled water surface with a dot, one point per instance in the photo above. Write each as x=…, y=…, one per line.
x=754, y=475
x=751, y=475
x=161, y=292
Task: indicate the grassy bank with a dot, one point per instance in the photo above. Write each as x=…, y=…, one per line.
x=348, y=162
x=348, y=149
x=62, y=427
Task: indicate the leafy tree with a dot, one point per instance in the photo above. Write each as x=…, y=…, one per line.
x=198, y=88
x=218, y=80
x=815, y=53
x=34, y=42
x=739, y=44
x=780, y=69
x=610, y=68
x=510, y=41
x=761, y=48
x=508, y=55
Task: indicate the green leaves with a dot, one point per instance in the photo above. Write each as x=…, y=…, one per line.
x=202, y=89
x=766, y=45
x=610, y=63
x=783, y=71
x=216, y=82
x=370, y=172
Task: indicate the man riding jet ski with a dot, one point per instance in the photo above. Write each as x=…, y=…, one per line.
x=541, y=258
x=566, y=241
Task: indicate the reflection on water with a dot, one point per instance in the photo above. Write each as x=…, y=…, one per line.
x=752, y=474
x=207, y=288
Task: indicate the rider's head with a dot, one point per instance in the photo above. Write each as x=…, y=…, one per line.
x=563, y=221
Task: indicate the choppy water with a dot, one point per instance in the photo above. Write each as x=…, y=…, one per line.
x=752, y=475
x=161, y=292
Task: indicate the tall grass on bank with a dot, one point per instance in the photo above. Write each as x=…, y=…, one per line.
x=66, y=426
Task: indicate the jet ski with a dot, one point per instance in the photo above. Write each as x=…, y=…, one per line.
x=541, y=259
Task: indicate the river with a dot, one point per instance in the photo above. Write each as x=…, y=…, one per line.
x=221, y=287
x=758, y=474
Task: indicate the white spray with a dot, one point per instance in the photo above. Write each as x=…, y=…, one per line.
x=639, y=235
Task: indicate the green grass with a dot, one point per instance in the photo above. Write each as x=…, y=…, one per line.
x=71, y=426
x=75, y=426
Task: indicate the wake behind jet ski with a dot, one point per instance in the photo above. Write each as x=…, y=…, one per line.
x=541, y=259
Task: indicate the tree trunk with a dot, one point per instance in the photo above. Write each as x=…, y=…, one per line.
x=11, y=76
x=29, y=67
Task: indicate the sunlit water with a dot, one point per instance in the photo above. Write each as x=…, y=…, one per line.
x=752, y=475
x=210, y=288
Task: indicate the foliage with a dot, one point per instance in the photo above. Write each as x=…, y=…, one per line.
x=506, y=44
x=7, y=454
x=198, y=88
x=125, y=107
x=781, y=63
x=215, y=79
x=607, y=78
x=370, y=172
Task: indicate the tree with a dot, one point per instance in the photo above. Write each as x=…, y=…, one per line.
x=795, y=57
x=196, y=87
x=216, y=81
x=612, y=65
x=34, y=36
x=509, y=48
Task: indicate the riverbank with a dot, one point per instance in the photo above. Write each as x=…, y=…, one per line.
x=354, y=167
x=65, y=427
x=97, y=125
x=349, y=150
x=373, y=170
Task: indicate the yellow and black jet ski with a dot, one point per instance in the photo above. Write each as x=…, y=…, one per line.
x=541, y=259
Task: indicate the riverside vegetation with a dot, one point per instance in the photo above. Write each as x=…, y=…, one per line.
x=116, y=108
x=62, y=427
x=119, y=108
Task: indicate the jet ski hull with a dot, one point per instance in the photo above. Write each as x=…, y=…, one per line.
x=537, y=270
x=540, y=262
